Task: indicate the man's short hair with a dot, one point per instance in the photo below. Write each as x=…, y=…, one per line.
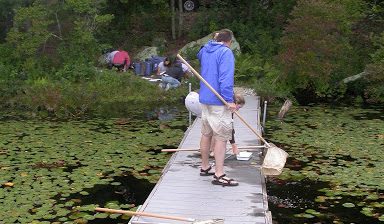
x=224, y=35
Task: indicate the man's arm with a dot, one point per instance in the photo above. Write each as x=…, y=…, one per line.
x=226, y=75
x=226, y=78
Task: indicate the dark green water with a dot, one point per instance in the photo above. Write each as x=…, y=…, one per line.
x=58, y=171
x=335, y=170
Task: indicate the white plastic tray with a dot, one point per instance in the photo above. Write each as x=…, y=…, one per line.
x=244, y=156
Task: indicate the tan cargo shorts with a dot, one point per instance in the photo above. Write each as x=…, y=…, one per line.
x=216, y=121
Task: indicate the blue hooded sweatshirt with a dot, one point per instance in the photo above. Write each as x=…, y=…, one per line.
x=217, y=68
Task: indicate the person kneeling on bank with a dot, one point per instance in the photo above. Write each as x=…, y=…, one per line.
x=171, y=78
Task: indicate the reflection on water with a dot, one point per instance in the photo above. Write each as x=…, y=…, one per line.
x=163, y=113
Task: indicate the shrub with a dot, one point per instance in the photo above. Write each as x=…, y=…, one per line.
x=316, y=52
x=42, y=95
x=374, y=91
x=76, y=72
x=11, y=84
x=248, y=67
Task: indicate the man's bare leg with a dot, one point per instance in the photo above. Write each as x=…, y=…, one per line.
x=220, y=148
x=205, y=144
x=212, y=148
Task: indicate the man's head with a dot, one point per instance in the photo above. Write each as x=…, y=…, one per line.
x=224, y=35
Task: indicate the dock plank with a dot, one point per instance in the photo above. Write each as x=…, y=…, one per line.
x=182, y=192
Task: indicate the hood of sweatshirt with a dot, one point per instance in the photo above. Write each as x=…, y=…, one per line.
x=213, y=46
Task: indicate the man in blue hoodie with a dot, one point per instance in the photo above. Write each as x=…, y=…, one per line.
x=217, y=68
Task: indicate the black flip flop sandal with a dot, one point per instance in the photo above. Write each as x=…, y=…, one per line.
x=206, y=172
x=224, y=181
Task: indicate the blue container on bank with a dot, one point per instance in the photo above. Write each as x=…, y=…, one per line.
x=147, y=68
x=137, y=67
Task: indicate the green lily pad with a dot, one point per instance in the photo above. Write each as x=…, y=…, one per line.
x=114, y=216
x=101, y=215
x=115, y=183
x=112, y=205
x=349, y=205
x=89, y=217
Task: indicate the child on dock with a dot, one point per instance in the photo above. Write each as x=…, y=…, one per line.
x=193, y=105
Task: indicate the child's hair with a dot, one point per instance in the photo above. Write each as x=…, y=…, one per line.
x=171, y=59
x=239, y=99
x=214, y=36
x=166, y=61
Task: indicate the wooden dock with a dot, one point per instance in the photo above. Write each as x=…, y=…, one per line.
x=182, y=192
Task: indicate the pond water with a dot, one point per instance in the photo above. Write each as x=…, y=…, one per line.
x=58, y=171
x=335, y=170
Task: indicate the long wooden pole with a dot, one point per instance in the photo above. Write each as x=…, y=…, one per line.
x=222, y=100
x=144, y=214
x=198, y=149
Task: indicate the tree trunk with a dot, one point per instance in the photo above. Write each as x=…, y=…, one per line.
x=173, y=19
x=180, y=31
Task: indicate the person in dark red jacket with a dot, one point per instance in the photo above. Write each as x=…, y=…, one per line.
x=119, y=59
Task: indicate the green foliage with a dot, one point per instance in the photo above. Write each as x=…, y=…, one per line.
x=83, y=6
x=191, y=53
x=30, y=30
x=11, y=83
x=77, y=100
x=42, y=95
x=375, y=88
x=82, y=45
x=7, y=8
x=11, y=79
x=257, y=27
x=69, y=97
x=47, y=35
x=315, y=48
x=135, y=23
x=268, y=88
x=248, y=67
x=60, y=41
x=254, y=72
x=76, y=72
x=378, y=56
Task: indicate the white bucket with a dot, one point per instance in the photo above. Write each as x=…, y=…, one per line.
x=192, y=104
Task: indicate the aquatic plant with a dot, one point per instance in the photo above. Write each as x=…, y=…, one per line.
x=58, y=171
x=340, y=146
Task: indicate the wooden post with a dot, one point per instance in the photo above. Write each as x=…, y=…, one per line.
x=284, y=109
